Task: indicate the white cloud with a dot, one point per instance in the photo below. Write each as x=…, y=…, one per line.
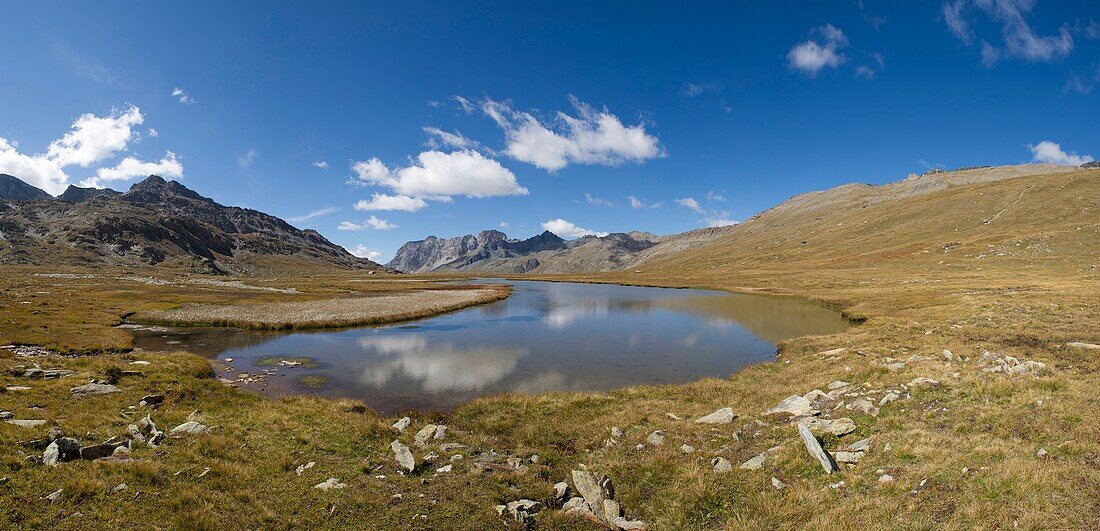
x=246, y=160
x=865, y=72
x=591, y=137
x=1018, y=38
x=391, y=202
x=1047, y=151
x=372, y=223
x=183, y=96
x=363, y=252
x=467, y=106
x=95, y=138
x=823, y=49
x=503, y=224
x=438, y=176
x=635, y=202
x=90, y=140
x=448, y=139
x=715, y=196
x=693, y=90
x=597, y=201
x=952, y=15
x=690, y=204
x=569, y=230
x=321, y=164
x=719, y=219
x=131, y=167
x=315, y=214
x=153, y=133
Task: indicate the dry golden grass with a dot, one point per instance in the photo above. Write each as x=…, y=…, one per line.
x=326, y=313
x=927, y=274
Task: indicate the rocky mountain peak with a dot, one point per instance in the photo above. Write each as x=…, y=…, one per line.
x=14, y=189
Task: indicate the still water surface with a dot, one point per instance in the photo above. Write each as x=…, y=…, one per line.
x=545, y=337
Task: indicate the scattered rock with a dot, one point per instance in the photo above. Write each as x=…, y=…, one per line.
x=1086, y=346
x=616, y=432
x=587, y=486
x=93, y=389
x=5, y=415
x=837, y=384
x=37, y=372
x=97, y=451
x=329, y=484
x=55, y=433
x=757, y=462
x=60, y=450
x=850, y=458
x=721, y=416
x=795, y=405
x=779, y=485
x=444, y=469
x=896, y=366
x=833, y=352
x=561, y=492
x=424, y=435
x=53, y=496
x=673, y=416
x=629, y=525
x=520, y=510
x=1041, y=453
x=922, y=383
x=816, y=450
x=402, y=424
x=447, y=447
x=26, y=423
x=861, y=445
x=1030, y=367
x=151, y=400
x=403, y=456
x=862, y=405
x=119, y=488
x=885, y=478
x=721, y=464
x=838, y=427
x=656, y=438
x=190, y=428
x=890, y=396
x=687, y=448
x=303, y=468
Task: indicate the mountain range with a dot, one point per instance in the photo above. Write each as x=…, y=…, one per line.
x=157, y=222
x=492, y=251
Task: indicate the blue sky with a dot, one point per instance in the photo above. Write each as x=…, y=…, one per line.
x=555, y=114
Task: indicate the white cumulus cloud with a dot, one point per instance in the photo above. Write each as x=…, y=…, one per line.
x=91, y=140
x=438, y=175
x=822, y=50
x=1018, y=38
x=448, y=139
x=1047, y=151
x=132, y=168
x=391, y=202
x=590, y=137
x=371, y=223
x=363, y=252
x=635, y=202
x=321, y=164
x=569, y=230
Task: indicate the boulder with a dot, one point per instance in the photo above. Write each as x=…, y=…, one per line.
x=424, y=435
x=402, y=424
x=721, y=464
x=26, y=423
x=837, y=384
x=98, y=451
x=779, y=485
x=795, y=405
x=93, y=389
x=816, y=450
x=403, y=455
x=629, y=525
x=55, y=433
x=721, y=416
x=861, y=445
x=329, y=484
x=521, y=510
x=302, y=468
x=587, y=486
x=561, y=492
x=838, y=427
x=190, y=428
x=656, y=438
x=757, y=462
x=1031, y=367
x=848, y=457
x=60, y=450
x=924, y=383
x=862, y=405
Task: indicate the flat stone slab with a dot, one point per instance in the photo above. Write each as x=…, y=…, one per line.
x=25, y=423
x=93, y=389
x=816, y=450
x=722, y=416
